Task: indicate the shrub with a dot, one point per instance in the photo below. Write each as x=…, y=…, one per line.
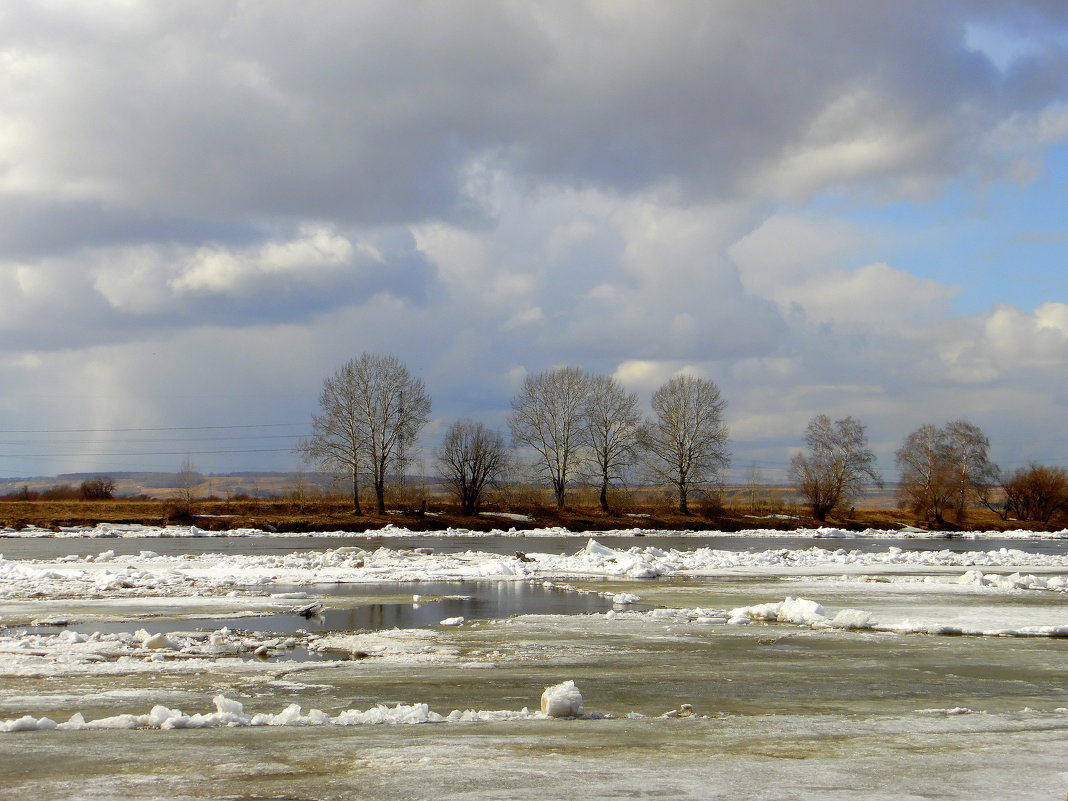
x=60, y=492
x=712, y=506
x=101, y=488
x=1037, y=492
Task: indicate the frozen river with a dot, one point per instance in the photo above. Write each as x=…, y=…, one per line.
x=915, y=669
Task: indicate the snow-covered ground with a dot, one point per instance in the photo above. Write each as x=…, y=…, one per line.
x=764, y=648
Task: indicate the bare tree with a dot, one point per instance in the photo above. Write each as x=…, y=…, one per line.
x=927, y=480
x=470, y=458
x=838, y=463
x=547, y=416
x=946, y=469
x=752, y=488
x=188, y=479
x=337, y=442
x=1037, y=492
x=972, y=471
x=686, y=440
x=610, y=426
x=372, y=412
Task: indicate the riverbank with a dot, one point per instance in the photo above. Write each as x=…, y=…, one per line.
x=289, y=516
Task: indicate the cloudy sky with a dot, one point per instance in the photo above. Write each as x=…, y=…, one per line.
x=824, y=207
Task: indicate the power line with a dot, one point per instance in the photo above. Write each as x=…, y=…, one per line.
x=140, y=453
x=118, y=430
x=125, y=441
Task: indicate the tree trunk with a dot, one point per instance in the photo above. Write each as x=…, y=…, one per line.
x=380, y=496
x=356, y=510
x=684, y=507
x=468, y=501
x=604, y=498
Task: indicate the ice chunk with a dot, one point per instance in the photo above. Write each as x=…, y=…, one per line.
x=801, y=610
x=159, y=641
x=28, y=723
x=562, y=701
x=792, y=610
x=452, y=621
x=853, y=619
x=227, y=706
x=596, y=549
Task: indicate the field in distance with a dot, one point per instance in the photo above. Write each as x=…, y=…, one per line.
x=293, y=502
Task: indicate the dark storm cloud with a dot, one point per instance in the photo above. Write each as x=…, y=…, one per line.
x=37, y=227
x=377, y=112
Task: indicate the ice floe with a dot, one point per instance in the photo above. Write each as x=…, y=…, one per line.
x=405, y=564
x=562, y=700
x=803, y=612
x=185, y=575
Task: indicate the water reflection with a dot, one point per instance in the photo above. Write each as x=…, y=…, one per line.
x=439, y=600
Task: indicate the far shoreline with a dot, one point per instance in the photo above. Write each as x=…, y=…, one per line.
x=287, y=517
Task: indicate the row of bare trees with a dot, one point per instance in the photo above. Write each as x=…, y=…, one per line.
x=579, y=424
x=944, y=471
x=573, y=424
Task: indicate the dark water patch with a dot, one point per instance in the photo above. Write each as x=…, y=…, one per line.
x=440, y=600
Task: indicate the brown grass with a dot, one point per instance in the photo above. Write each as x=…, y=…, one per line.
x=645, y=509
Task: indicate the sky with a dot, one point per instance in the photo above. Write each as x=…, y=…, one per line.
x=824, y=207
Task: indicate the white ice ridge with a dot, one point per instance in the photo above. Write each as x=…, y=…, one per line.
x=803, y=612
x=230, y=713
x=150, y=574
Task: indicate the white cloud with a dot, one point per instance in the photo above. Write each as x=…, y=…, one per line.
x=133, y=280
x=806, y=263
x=792, y=248
x=1016, y=338
x=873, y=294
x=219, y=269
x=526, y=317
x=854, y=138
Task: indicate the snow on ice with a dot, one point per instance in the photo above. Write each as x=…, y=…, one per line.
x=149, y=574
x=559, y=701
x=258, y=580
x=230, y=713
